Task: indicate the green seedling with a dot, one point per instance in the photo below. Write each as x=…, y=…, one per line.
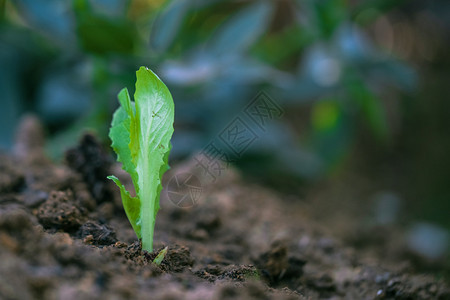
x=160, y=257
x=140, y=133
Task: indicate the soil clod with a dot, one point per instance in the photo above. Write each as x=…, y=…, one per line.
x=60, y=211
x=89, y=159
x=97, y=234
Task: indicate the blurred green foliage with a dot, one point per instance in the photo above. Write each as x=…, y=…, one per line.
x=66, y=60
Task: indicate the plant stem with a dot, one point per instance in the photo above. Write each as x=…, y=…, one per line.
x=148, y=205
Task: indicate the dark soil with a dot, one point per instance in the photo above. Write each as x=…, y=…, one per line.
x=64, y=235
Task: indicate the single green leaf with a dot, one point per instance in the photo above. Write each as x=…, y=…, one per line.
x=140, y=134
x=241, y=30
x=160, y=257
x=131, y=206
x=120, y=134
x=168, y=24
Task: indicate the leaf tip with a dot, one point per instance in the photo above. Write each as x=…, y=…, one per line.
x=160, y=257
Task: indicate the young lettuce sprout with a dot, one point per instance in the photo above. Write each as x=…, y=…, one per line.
x=140, y=133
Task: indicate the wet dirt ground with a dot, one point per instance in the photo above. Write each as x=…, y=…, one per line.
x=64, y=235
